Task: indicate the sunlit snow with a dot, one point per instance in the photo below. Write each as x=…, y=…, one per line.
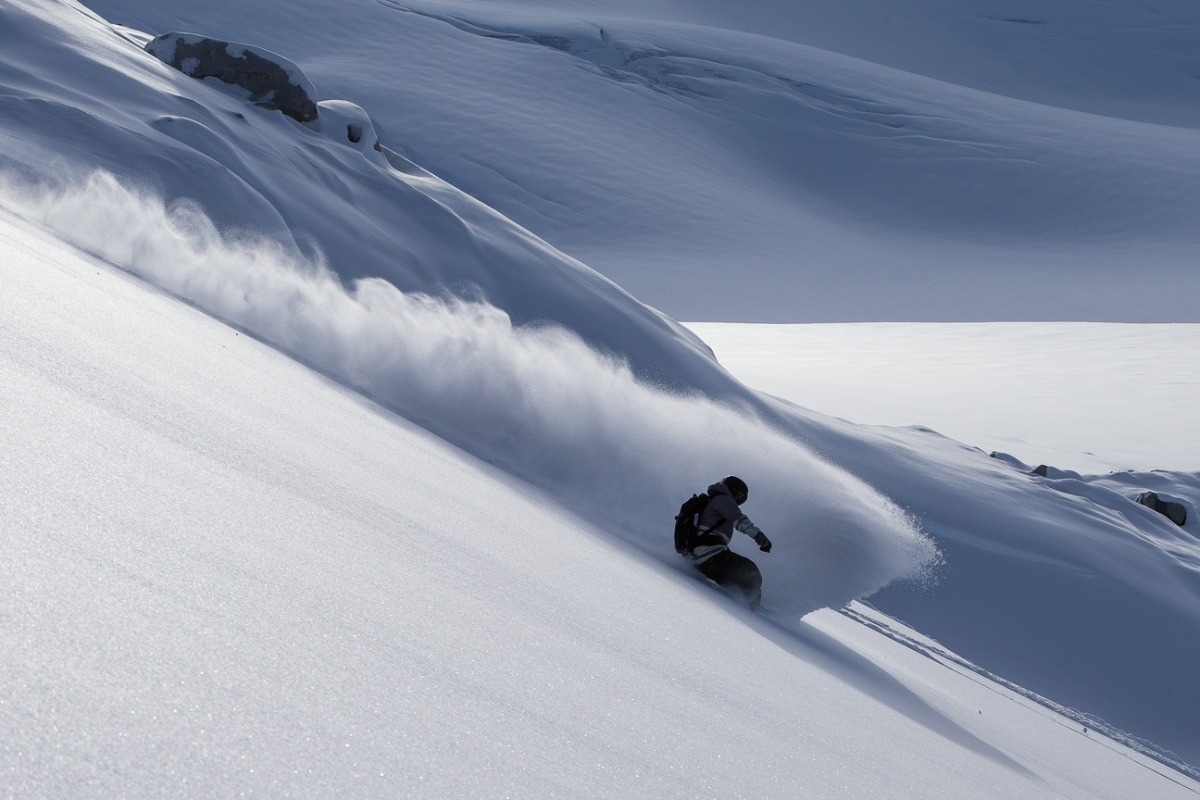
x=340, y=457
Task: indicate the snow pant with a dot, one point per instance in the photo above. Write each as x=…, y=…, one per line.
x=736, y=574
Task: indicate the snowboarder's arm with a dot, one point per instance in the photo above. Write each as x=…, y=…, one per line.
x=747, y=527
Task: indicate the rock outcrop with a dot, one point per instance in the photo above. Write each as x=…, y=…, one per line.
x=270, y=79
x=1176, y=512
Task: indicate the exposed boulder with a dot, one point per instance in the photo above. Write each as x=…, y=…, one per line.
x=270, y=79
x=1176, y=512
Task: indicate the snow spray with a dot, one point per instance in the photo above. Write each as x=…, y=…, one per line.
x=534, y=400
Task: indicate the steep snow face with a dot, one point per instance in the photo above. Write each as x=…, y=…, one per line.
x=534, y=400
x=227, y=575
x=601, y=431
x=585, y=428
x=80, y=96
x=666, y=146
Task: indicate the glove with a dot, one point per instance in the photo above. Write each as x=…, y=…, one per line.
x=763, y=542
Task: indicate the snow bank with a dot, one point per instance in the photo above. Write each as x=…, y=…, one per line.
x=535, y=400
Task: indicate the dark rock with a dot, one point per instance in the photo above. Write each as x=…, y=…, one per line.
x=271, y=80
x=1176, y=512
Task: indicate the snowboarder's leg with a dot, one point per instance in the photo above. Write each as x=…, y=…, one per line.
x=735, y=573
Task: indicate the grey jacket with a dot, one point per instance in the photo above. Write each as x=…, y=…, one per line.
x=720, y=518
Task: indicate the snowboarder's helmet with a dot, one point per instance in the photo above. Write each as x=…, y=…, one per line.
x=737, y=487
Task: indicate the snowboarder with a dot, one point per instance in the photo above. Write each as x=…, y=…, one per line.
x=715, y=526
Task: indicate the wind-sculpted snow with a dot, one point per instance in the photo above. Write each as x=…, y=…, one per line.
x=534, y=400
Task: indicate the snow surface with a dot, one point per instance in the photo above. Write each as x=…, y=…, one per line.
x=534, y=400
x=1090, y=397
x=831, y=156
x=180, y=483
x=230, y=575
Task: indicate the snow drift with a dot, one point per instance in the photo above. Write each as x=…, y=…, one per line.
x=533, y=399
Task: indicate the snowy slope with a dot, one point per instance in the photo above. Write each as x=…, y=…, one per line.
x=79, y=96
x=602, y=432
x=278, y=215
x=229, y=575
x=981, y=160
x=1087, y=397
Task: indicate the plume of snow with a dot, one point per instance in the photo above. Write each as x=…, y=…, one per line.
x=533, y=400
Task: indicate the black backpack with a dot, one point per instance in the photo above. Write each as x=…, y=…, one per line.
x=685, y=523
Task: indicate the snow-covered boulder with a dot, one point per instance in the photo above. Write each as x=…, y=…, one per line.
x=271, y=80
x=1054, y=473
x=1174, y=511
x=350, y=124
